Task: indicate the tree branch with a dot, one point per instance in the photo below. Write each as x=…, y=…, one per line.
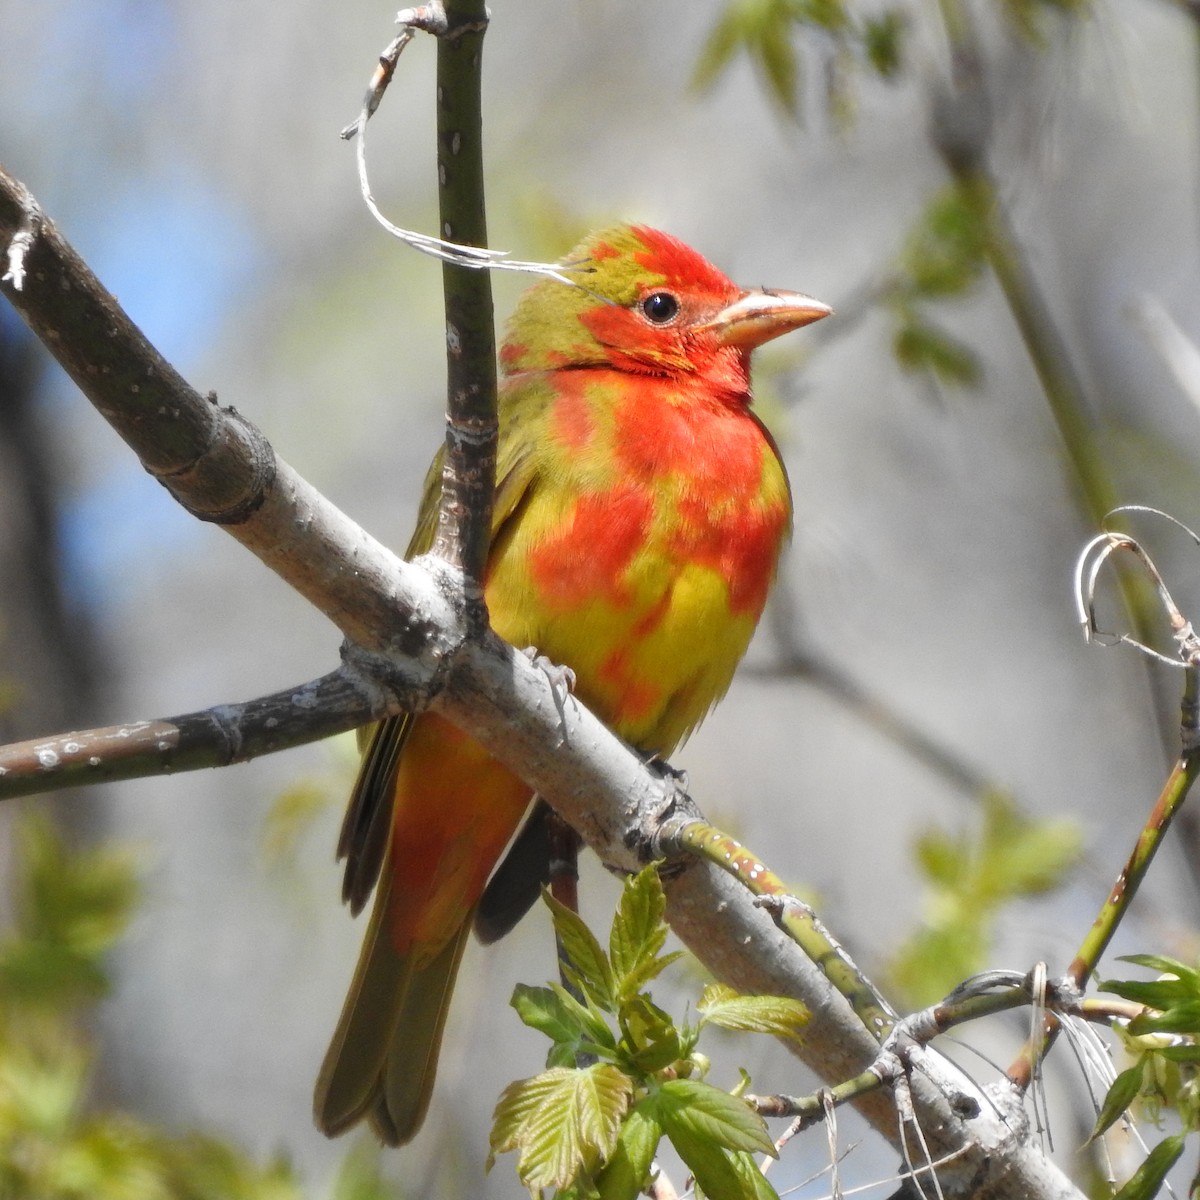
x=465, y=517
x=410, y=632
x=215, y=737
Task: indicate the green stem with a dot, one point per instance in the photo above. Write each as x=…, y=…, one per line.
x=1174, y=792
x=1112, y=912
x=796, y=919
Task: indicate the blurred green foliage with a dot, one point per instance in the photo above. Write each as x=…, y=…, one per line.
x=944, y=258
x=969, y=878
x=764, y=31
x=70, y=907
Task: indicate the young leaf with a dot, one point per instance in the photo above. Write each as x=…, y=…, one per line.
x=78, y=898
x=1154, y=993
x=588, y=963
x=647, y=970
x=1180, y=1054
x=753, y=1180
x=562, y=1121
x=944, y=254
x=1166, y=966
x=625, y=1174
x=882, y=41
x=714, y=1116
x=657, y=1048
x=778, y=1015
x=543, y=1010
x=638, y=929
x=761, y=29
x=1179, y=1018
x=920, y=345
x=1121, y=1094
x=595, y=1031
x=702, y=1136
x=516, y=1106
x=1148, y=1178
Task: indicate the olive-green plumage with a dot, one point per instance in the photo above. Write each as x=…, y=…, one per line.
x=639, y=513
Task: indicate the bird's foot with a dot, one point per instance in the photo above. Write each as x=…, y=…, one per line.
x=675, y=777
x=561, y=678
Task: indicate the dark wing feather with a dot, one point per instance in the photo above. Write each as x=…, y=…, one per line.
x=368, y=820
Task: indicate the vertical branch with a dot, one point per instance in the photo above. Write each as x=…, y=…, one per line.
x=468, y=478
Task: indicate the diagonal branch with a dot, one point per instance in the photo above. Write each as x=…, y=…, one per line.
x=410, y=632
x=211, y=459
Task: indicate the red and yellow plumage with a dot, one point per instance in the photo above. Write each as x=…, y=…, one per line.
x=639, y=514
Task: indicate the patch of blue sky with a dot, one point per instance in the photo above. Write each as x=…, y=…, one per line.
x=178, y=258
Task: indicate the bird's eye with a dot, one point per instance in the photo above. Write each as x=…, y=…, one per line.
x=660, y=307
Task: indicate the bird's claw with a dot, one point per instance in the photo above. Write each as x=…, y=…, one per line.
x=676, y=776
x=562, y=682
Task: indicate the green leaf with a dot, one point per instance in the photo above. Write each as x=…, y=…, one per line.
x=516, y=1106
x=920, y=345
x=660, y=1050
x=595, y=1031
x=1154, y=993
x=944, y=255
x=544, y=1010
x=971, y=877
x=77, y=898
x=825, y=14
x=775, y=57
x=1179, y=1054
x=291, y=815
x=718, y=51
x=1121, y=1094
x=562, y=1121
x=762, y=30
x=702, y=1138
x=882, y=38
x=1166, y=966
x=638, y=932
x=1179, y=1018
x=712, y=1115
x=627, y=1171
x=48, y=975
x=650, y=1039
x=755, y=1183
x=589, y=966
x=1028, y=857
x=777, y=1015
x=1148, y=1178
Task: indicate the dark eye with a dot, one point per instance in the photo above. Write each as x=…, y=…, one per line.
x=660, y=307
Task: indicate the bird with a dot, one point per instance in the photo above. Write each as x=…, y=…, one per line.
x=640, y=510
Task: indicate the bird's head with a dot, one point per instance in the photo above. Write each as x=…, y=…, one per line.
x=642, y=301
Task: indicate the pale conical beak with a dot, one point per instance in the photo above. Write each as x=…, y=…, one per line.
x=758, y=315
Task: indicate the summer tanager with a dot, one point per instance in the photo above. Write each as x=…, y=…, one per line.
x=639, y=513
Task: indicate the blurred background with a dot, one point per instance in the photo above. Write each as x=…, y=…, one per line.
x=922, y=667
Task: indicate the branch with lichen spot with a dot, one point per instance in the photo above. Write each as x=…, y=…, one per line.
x=214, y=737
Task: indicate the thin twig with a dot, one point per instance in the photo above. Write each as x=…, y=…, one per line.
x=213, y=737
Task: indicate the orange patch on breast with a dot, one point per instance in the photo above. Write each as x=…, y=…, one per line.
x=636, y=697
x=716, y=463
x=574, y=424
x=587, y=559
x=739, y=544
